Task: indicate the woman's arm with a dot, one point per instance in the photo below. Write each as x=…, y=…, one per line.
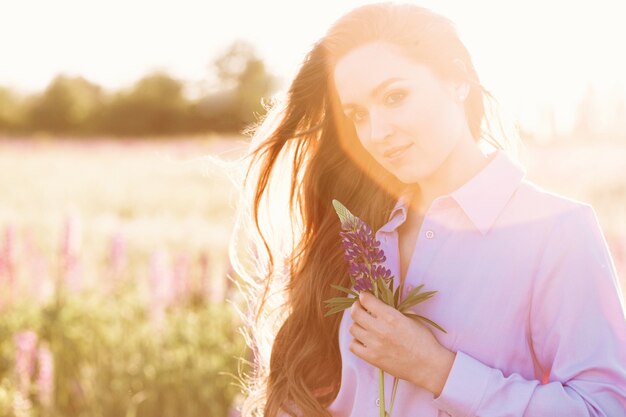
x=578, y=330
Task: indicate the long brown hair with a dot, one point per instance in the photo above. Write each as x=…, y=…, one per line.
x=307, y=144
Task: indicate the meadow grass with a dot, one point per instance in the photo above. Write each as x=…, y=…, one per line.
x=168, y=210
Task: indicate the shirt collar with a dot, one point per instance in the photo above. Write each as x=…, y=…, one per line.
x=397, y=216
x=482, y=198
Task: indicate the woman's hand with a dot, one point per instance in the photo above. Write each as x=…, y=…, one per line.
x=398, y=345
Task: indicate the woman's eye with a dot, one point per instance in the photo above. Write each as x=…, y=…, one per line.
x=357, y=117
x=394, y=97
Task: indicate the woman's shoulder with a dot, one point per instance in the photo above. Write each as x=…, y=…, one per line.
x=566, y=230
x=537, y=202
x=533, y=195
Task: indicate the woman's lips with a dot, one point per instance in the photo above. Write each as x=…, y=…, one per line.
x=397, y=154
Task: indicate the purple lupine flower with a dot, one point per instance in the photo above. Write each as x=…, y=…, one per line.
x=363, y=284
x=361, y=251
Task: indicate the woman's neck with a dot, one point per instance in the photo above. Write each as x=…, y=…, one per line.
x=463, y=163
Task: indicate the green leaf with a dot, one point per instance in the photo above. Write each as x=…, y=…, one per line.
x=332, y=306
x=341, y=300
x=418, y=298
x=396, y=296
x=407, y=304
x=414, y=291
x=346, y=290
x=414, y=299
x=344, y=214
x=418, y=317
x=337, y=299
x=339, y=305
x=386, y=294
x=381, y=290
x=334, y=310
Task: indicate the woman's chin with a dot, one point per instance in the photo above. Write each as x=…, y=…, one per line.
x=408, y=178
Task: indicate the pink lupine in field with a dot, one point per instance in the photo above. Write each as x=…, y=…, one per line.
x=205, y=284
x=39, y=282
x=181, y=278
x=231, y=287
x=160, y=280
x=117, y=255
x=45, y=376
x=70, y=248
x=160, y=284
x=7, y=257
x=42, y=285
x=25, y=357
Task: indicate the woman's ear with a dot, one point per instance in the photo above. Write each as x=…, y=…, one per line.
x=460, y=86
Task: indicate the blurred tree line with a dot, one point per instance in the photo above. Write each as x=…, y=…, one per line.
x=155, y=105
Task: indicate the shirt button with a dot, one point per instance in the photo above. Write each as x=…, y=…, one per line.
x=430, y=234
x=377, y=402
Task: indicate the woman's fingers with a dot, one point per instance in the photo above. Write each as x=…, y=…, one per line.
x=361, y=316
x=358, y=332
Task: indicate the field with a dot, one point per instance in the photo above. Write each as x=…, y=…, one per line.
x=153, y=196
x=100, y=214
x=133, y=238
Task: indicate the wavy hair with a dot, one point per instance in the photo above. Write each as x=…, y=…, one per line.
x=303, y=154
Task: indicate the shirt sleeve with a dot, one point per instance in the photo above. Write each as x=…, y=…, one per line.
x=578, y=332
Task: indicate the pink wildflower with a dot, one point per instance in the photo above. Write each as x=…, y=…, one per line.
x=26, y=344
x=45, y=376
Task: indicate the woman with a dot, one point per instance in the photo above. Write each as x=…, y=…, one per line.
x=386, y=115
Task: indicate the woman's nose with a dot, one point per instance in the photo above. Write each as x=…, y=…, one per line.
x=380, y=128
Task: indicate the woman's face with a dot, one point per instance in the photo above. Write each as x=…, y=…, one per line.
x=398, y=104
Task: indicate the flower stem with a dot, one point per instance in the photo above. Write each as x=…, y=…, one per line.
x=381, y=393
x=381, y=379
x=393, y=394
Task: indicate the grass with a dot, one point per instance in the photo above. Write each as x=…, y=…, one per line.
x=164, y=195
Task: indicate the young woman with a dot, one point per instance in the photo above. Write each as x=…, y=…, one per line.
x=387, y=115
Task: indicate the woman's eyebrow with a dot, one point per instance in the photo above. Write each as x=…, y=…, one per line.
x=377, y=89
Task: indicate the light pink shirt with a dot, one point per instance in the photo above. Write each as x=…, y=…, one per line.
x=528, y=294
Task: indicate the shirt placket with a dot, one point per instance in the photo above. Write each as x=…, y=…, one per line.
x=433, y=233
x=431, y=237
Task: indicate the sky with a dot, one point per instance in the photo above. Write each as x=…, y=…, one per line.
x=532, y=55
